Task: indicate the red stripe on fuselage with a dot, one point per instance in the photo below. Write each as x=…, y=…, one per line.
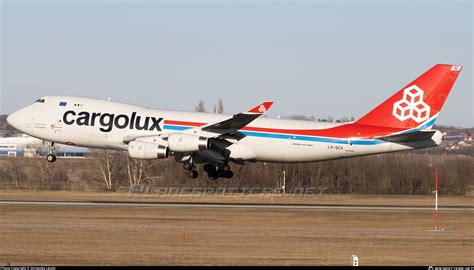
x=184, y=123
x=350, y=130
x=342, y=131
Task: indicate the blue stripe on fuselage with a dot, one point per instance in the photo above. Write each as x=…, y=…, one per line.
x=171, y=127
x=312, y=139
x=292, y=137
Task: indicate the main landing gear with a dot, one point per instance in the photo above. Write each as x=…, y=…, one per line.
x=219, y=170
x=213, y=171
x=51, y=157
x=191, y=168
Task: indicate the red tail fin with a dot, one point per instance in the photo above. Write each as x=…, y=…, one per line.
x=416, y=104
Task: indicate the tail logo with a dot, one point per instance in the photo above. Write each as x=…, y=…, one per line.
x=411, y=106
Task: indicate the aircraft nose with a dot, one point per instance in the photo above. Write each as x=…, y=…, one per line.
x=16, y=120
x=12, y=119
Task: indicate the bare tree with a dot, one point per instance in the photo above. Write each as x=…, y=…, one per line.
x=219, y=108
x=298, y=117
x=200, y=107
x=103, y=158
x=16, y=172
x=45, y=175
x=135, y=171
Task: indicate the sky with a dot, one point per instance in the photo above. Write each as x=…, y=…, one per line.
x=317, y=58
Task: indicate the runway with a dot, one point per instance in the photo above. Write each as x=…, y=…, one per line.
x=105, y=229
x=340, y=207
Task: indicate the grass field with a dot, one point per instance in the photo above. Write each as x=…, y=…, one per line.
x=114, y=235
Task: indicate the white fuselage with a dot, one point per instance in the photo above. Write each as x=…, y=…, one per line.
x=81, y=122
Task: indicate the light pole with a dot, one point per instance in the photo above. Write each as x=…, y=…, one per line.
x=284, y=182
x=436, y=200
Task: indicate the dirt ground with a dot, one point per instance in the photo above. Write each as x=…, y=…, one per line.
x=118, y=235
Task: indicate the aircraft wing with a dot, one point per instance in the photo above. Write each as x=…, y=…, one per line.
x=227, y=127
x=238, y=121
x=219, y=149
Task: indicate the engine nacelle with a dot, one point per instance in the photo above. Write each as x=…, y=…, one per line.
x=147, y=150
x=179, y=142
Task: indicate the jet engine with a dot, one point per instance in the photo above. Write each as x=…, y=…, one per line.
x=147, y=150
x=179, y=142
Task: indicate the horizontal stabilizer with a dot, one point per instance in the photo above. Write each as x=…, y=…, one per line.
x=415, y=136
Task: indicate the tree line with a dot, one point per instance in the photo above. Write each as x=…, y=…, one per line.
x=396, y=174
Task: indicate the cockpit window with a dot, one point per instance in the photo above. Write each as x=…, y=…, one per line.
x=40, y=100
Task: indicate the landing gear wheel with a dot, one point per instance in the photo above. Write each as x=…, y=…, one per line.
x=209, y=168
x=51, y=158
x=216, y=171
x=188, y=166
x=212, y=171
x=193, y=174
x=228, y=174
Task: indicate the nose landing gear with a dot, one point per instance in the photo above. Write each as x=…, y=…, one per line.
x=51, y=157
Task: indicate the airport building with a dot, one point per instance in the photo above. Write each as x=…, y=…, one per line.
x=27, y=146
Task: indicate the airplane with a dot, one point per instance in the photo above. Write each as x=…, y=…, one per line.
x=402, y=122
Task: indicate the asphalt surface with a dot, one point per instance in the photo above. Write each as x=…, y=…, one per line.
x=342, y=207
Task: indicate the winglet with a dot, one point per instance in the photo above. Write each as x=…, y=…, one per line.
x=262, y=108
